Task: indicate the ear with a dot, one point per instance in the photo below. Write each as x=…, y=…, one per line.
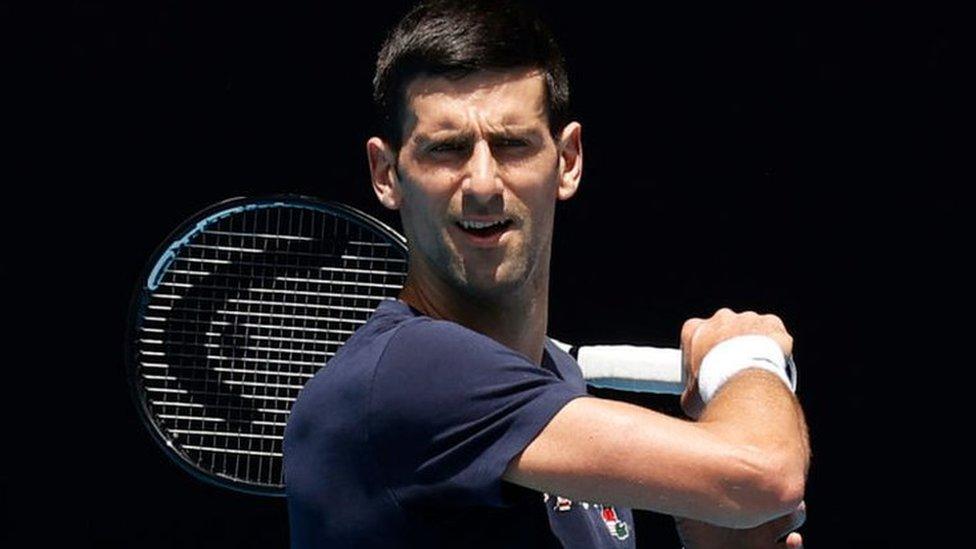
x=383, y=174
x=570, y=149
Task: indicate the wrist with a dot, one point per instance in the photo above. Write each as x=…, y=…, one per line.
x=738, y=353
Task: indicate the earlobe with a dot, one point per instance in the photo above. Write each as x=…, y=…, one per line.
x=383, y=173
x=570, y=160
x=390, y=195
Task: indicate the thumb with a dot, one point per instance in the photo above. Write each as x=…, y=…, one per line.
x=688, y=330
x=794, y=541
x=691, y=401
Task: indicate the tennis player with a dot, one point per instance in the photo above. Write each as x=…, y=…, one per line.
x=449, y=418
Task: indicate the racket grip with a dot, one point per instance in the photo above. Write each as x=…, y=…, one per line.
x=630, y=367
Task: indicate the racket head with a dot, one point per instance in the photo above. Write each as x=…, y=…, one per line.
x=235, y=311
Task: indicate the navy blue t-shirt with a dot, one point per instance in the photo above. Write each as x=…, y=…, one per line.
x=402, y=440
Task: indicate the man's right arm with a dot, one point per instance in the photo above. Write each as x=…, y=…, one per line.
x=743, y=463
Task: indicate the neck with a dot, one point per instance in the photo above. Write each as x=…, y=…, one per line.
x=516, y=319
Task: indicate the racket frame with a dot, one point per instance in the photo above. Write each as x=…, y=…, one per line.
x=149, y=277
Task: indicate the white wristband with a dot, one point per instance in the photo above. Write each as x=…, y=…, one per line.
x=735, y=354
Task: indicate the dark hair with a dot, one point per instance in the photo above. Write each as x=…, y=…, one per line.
x=454, y=38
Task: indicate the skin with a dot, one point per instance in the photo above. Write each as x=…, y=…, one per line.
x=501, y=290
x=480, y=148
x=697, y=534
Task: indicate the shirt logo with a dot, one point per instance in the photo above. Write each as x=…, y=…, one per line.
x=616, y=527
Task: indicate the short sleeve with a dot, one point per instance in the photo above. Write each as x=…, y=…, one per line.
x=449, y=408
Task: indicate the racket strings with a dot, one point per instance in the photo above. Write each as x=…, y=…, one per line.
x=246, y=313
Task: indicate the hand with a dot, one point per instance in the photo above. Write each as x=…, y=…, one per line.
x=698, y=336
x=702, y=535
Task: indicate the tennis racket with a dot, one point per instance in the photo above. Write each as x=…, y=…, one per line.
x=248, y=299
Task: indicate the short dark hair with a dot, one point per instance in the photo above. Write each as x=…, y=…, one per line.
x=454, y=38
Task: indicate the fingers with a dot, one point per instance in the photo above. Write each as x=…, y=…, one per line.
x=793, y=540
x=698, y=335
x=688, y=330
x=691, y=401
x=788, y=523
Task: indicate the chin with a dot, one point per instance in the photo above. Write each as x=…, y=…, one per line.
x=492, y=290
x=501, y=283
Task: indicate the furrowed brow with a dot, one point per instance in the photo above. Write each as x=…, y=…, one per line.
x=467, y=137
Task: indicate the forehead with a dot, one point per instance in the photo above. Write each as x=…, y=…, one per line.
x=510, y=98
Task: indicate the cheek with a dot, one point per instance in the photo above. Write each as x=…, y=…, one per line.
x=535, y=183
x=538, y=202
x=416, y=203
x=423, y=212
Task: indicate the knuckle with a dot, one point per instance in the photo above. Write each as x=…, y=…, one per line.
x=751, y=316
x=782, y=337
x=773, y=319
x=689, y=327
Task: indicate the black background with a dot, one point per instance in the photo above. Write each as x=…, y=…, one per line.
x=780, y=158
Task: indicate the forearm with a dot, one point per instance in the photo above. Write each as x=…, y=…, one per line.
x=756, y=412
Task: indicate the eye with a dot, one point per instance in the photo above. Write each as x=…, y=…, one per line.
x=445, y=147
x=512, y=143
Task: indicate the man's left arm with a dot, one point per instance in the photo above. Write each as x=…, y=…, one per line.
x=702, y=535
x=695, y=534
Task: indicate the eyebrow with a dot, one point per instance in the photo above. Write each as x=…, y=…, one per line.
x=467, y=136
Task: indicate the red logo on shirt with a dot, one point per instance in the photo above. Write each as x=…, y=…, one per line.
x=615, y=526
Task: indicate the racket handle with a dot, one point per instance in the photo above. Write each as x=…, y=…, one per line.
x=630, y=367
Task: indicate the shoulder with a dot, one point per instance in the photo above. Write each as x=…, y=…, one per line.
x=445, y=365
x=441, y=332
x=427, y=342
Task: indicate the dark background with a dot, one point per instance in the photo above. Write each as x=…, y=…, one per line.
x=789, y=159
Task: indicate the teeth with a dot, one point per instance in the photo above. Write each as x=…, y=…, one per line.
x=480, y=224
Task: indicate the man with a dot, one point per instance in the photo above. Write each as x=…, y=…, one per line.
x=449, y=419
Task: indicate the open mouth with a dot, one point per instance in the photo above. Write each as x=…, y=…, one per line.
x=484, y=228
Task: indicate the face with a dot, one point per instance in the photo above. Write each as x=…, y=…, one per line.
x=477, y=179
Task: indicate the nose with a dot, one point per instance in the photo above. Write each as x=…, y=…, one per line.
x=481, y=182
